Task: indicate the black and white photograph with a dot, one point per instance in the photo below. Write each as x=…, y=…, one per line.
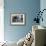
x=17, y=19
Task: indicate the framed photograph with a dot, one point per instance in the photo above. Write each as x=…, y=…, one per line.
x=17, y=19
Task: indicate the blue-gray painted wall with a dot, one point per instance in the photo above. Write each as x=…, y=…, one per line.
x=43, y=6
x=29, y=8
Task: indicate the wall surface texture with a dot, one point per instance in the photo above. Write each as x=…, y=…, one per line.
x=27, y=7
x=43, y=6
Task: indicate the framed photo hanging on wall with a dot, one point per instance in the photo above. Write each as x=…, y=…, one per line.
x=17, y=19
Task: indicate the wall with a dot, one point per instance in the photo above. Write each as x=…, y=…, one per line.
x=43, y=6
x=29, y=8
